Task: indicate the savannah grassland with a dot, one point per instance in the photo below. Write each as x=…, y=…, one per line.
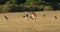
x=16, y=22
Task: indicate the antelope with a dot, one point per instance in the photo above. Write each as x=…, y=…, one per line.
x=5, y=17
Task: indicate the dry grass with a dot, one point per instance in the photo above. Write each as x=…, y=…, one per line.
x=16, y=23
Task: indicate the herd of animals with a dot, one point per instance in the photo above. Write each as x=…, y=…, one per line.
x=31, y=16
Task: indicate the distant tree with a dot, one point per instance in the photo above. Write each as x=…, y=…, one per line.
x=18, y=2
x=6, y=7
x=54, y=3
x=48, y=8
x=2, y=2
x=1, y=7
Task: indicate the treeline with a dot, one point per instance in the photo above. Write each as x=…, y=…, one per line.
x=29, y=5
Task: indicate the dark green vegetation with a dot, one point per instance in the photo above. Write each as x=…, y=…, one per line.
x=29, y=5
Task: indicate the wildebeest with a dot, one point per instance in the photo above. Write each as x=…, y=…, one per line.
x=26, y=16
x=44, y=15
x=55, y=17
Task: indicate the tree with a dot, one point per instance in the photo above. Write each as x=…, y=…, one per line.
x=6, y=7
x=48, y=8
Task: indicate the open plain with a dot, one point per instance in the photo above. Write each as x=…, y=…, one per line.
x=16, y=22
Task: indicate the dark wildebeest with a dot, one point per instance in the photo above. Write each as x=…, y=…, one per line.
x=44, y=15
x=55, y=17
x=26, y=16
